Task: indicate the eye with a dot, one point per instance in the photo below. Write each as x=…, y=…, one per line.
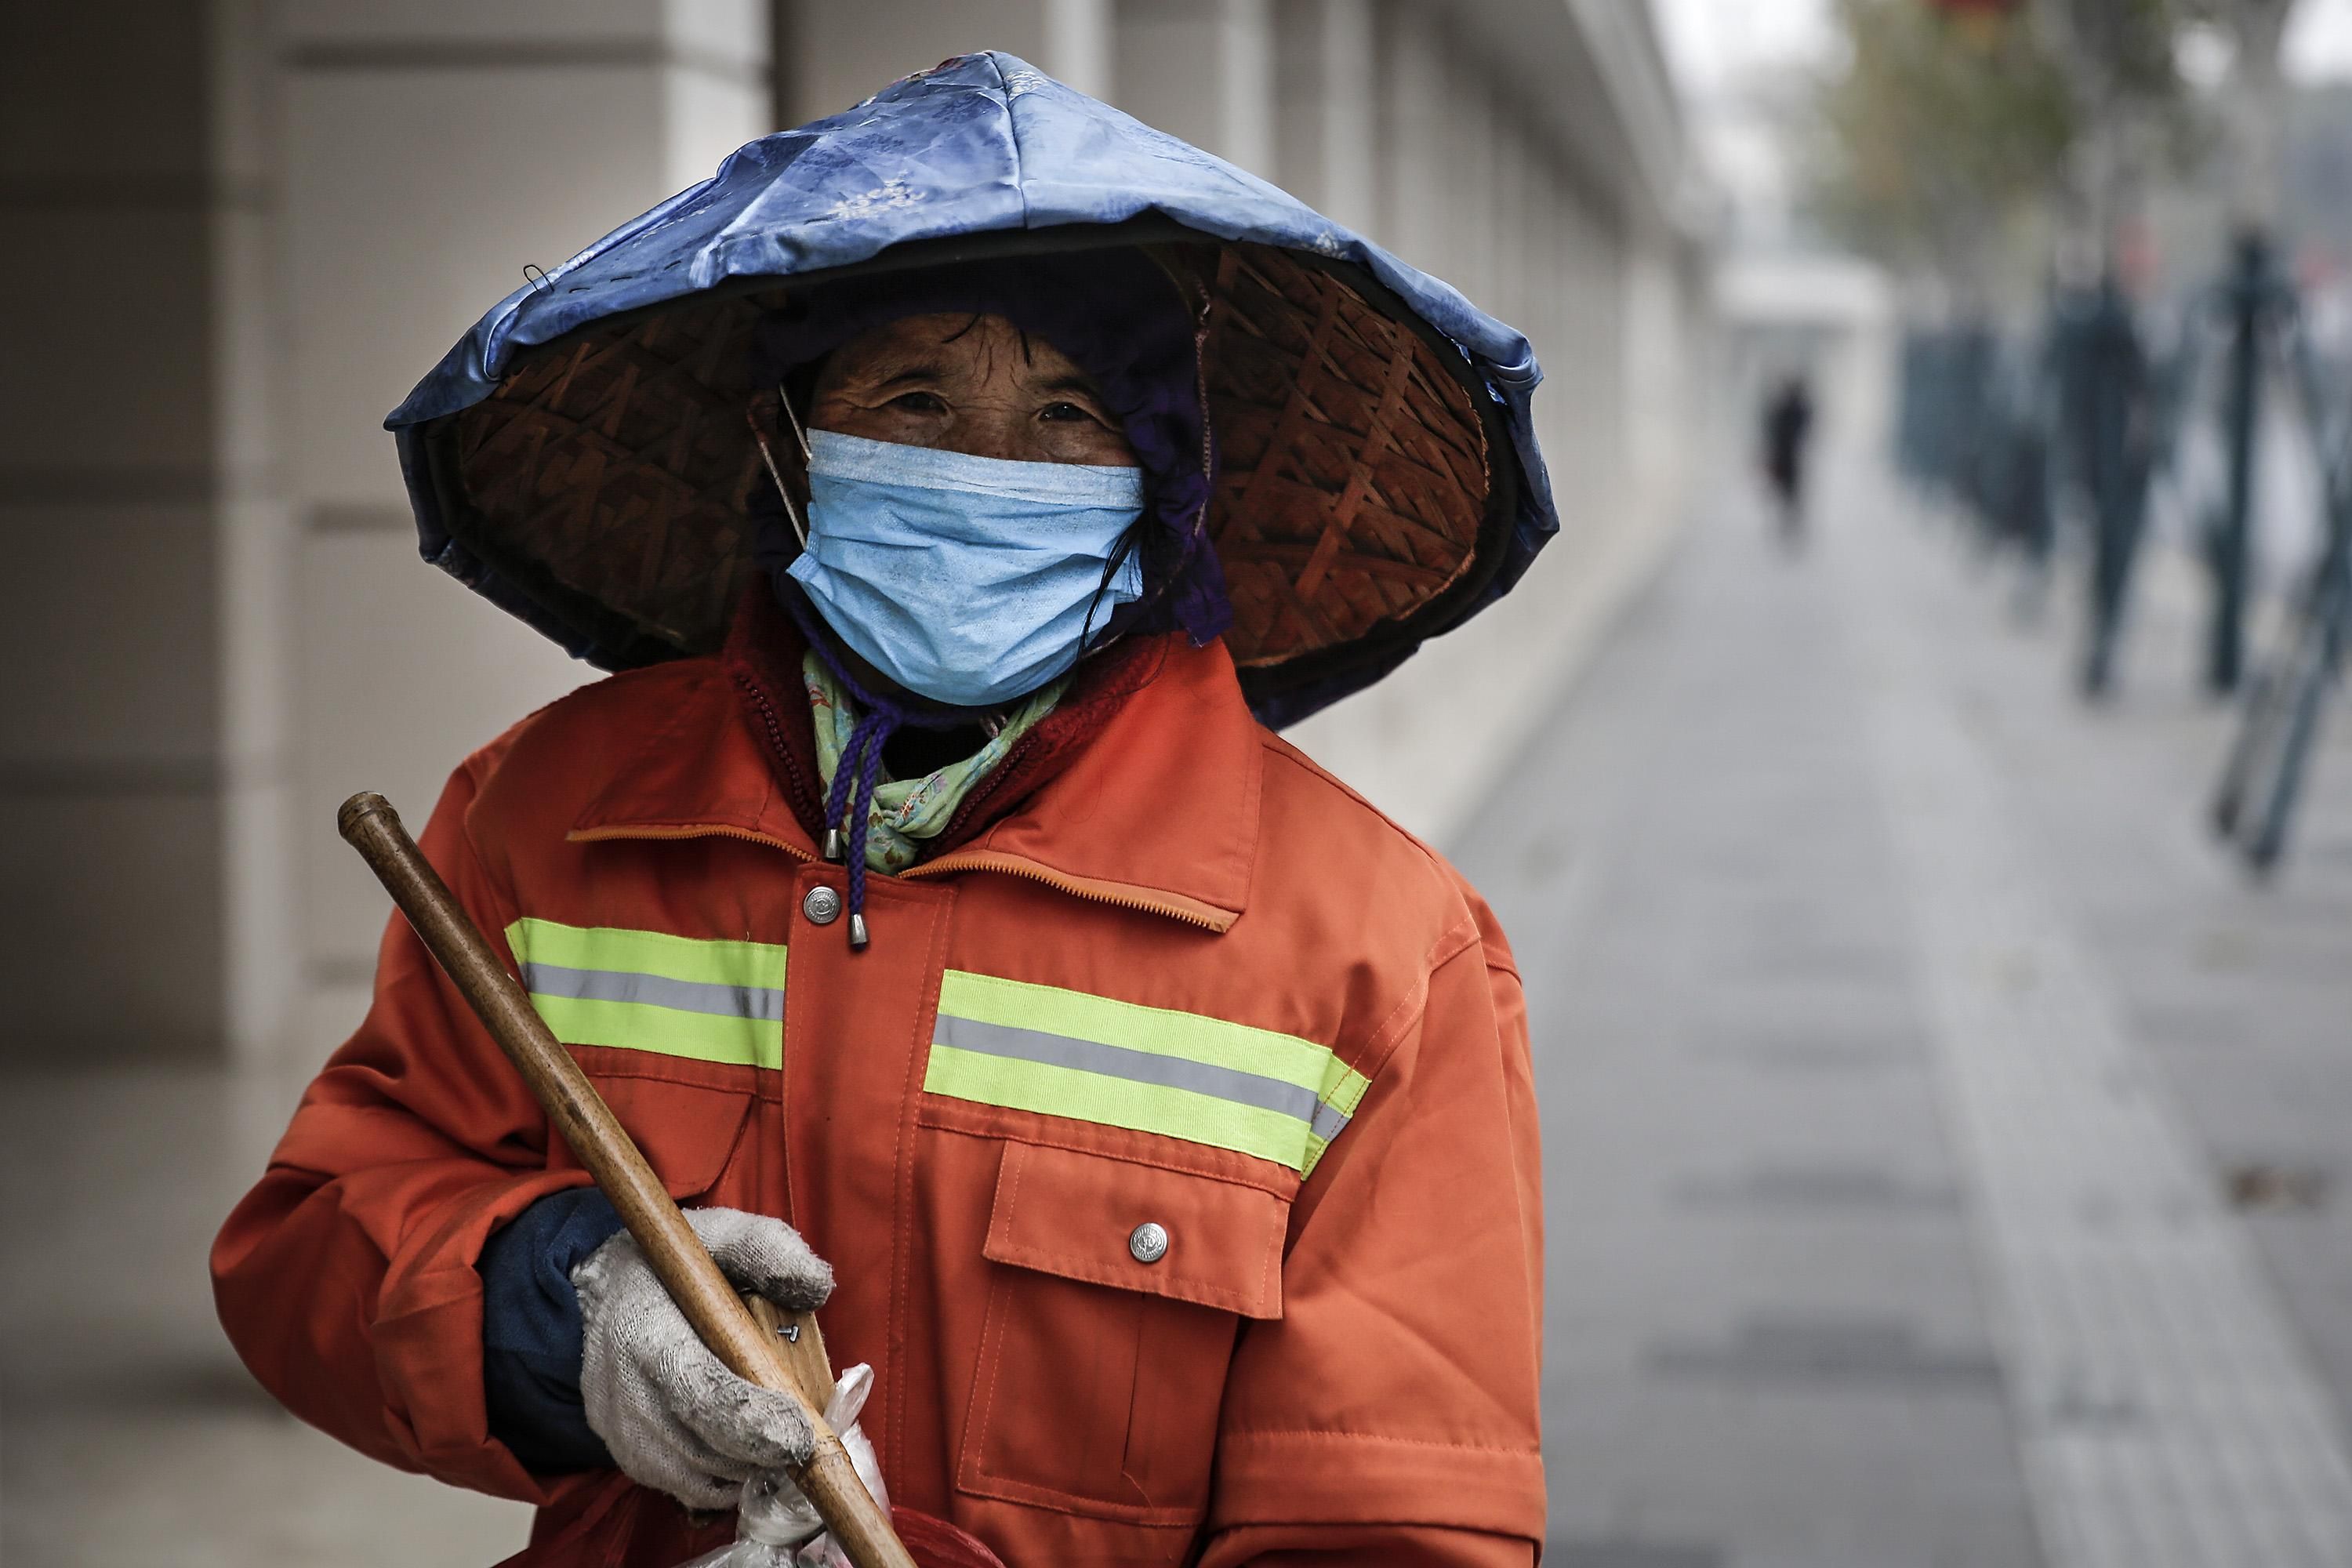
x=918, y=402
x=1065, y=413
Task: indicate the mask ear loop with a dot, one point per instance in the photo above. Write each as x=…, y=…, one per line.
x=785, y=399
x=775, y=474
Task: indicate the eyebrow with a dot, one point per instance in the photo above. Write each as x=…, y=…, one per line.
x=932, y=370
x=926, y=370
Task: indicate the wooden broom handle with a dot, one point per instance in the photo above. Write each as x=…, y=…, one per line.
x=588, y=1125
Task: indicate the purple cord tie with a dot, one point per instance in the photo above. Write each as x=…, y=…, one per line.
x=849, y=804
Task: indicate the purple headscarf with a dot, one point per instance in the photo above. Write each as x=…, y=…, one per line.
x=1124, y=321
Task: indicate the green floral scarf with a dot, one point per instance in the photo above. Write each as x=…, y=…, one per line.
x=906, y=811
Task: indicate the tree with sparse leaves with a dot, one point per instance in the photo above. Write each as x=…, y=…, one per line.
x=1948, y=124
x=1936, y=131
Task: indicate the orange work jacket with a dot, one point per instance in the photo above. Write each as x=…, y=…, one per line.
x=1191, y=981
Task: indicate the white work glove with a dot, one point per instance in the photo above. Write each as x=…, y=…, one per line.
x=674, y=1418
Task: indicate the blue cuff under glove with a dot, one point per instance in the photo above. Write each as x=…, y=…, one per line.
x=530, y=1331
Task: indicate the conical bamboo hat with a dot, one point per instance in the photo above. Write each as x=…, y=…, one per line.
x=584, y=458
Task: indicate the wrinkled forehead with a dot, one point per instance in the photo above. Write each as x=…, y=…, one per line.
x=959, y=347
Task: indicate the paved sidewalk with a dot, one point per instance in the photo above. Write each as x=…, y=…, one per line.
x=130, y=1437
x=1841, y=924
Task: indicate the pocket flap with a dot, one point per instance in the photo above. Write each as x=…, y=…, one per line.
x=687, y=1131
x=1072, y=1214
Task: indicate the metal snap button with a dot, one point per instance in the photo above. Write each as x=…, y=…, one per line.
x=823, y=906
x=1148, y=1242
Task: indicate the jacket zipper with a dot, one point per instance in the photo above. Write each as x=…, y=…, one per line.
x=696, y=830
x=811, y=810
x=1062, y=885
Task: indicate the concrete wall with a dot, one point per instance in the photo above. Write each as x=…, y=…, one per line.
x=111, y=473
x=1543, y=201
x=1203, y=70
x=263, y=219
x=831, y=56
x=1326, y=114
x=427, y=153
x=263, y=222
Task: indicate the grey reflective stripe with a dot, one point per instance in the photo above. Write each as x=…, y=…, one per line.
x=1135, y=1066
x=1328, y=1120
x=758, y=1002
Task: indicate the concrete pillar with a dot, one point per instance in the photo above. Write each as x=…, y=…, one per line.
x=1652, y=347
x=1580, y=336
x=1203, y=70
x=1513, y=236
x=1412, y=132
x=262, y=957
x=1326, y=104
x=833, y=56
x=1468, y=179
x=1550, y=278
x=110, y=768
x=426, y=152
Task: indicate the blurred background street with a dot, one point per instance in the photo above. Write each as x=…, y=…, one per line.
x=1802, y=1311
x=1946, y=1130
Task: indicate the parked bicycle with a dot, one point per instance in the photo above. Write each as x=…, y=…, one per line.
x=2263, y=778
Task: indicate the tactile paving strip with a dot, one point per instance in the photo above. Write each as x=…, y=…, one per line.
x=2168, y=1413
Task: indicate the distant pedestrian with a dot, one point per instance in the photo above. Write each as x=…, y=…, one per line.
x=1788, y=422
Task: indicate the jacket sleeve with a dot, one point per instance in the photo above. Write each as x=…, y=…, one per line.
x=346, y=1278
x=1389, y=1415
x=532, y=1336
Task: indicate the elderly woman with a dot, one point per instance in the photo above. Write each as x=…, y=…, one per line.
x=928, y=896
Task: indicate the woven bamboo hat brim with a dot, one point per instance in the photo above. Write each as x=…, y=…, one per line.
x=583, y=458
x=1354, y=471
x=611, y=471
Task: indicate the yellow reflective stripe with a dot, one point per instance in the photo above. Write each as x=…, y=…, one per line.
x=1343, y=1089
x=1053, y=1090
x=716, y=962
x=663, y=1031
x=1345, y=1092
x=1162, y=1031
x=668, y=995
x=1208, y=1080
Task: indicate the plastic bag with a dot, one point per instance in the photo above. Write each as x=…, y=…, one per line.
x=775, y=1526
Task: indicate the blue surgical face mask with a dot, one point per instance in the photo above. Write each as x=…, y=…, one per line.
x=969, y=580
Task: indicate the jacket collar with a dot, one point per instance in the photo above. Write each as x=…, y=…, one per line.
x=1159, y=812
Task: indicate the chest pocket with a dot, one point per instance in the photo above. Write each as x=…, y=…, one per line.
x=687, y=1121
x=1100, y=1375
x=669, y=1027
